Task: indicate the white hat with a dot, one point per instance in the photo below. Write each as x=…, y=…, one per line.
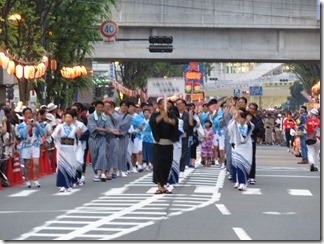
x=51, y=106
x=159, y=99
x=314, y=111
x=49, y=117
x=43, y=107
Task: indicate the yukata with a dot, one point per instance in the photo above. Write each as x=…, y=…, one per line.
x=65, y=143
x=177, y=151
x=123, y=127
x=207, y=144
x=164, y=135
x=241, y=141
x=97, y=141
x=81, y=145
x=112, y=141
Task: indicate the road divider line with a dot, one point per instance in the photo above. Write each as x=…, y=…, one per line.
x=223, y=209
x=241, y=234
x=23, y=193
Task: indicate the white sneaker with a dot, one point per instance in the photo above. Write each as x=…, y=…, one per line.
x=134, y=170
x=242, y=187
x=139, y=168
x=96, y=178
x=69, y=189
x=36, y=183
x=62, y=189
x=82, y=181
x=181, y=175
x=82, y=178
x=28, y=184
x=123, y=174
x=74, y=185
x=186, y=167
x=222, y=166
x=236, y=185
x=103, y=177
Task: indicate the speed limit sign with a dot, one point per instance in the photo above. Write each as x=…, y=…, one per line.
x=109, y=28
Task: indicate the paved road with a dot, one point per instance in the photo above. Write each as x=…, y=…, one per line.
x=283, y=205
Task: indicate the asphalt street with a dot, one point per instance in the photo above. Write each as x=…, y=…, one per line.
x=283, y=205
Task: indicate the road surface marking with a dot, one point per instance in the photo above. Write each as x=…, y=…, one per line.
x=252, y=191
x=290, y=176
x=241, y=234
x=277, y=213
x=299, y=192
x=205, y=189
x=66, y=193
x=24, y=193
x=223, y=209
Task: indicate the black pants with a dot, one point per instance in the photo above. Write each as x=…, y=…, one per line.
x=289, y=138
x=252, y=172
x=184, y=153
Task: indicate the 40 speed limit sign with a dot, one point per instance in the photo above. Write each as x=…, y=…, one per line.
x=109, y=28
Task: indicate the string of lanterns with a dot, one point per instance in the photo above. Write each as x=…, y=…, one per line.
x=31, y=71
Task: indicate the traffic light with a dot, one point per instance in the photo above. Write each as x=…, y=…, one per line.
x=160, y=44
x=10, y=92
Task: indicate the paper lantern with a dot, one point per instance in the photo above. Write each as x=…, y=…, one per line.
x=26, y=68
x=19, y=71
x=1, y=57
x=53, y=65
x=5, y=62
x=83, y=71
x=11, y=67
x=29, y=72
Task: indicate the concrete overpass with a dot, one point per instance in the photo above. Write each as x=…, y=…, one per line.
x=216, y=31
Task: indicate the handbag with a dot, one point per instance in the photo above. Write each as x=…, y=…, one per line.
x=299, y=133
x=311, y=138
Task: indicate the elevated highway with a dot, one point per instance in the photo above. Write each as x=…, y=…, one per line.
x=216, y=31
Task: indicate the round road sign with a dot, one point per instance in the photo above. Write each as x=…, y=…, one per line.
x=109, y=28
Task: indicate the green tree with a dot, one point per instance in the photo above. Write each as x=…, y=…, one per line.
x=63, y=30
x=296, y=98
x=308, y=74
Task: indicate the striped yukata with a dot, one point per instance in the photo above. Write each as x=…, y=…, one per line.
x=97, y=141
x=112, y=142
x=177, y=151
x=242, y=151
x=66, y=160
x=123, y=126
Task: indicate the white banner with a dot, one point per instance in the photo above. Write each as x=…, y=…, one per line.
x=165, y=86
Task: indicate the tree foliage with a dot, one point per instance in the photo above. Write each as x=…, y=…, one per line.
x=308, y=74
x=62, y=29
x=296, y=98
